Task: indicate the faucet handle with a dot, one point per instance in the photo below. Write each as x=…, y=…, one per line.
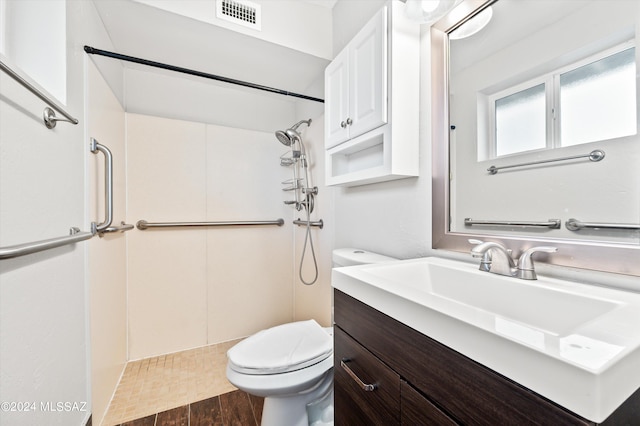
x=525, y=263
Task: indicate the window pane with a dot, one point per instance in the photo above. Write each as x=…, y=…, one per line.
x=520, y=121
x=34, y=39
x=598, y=100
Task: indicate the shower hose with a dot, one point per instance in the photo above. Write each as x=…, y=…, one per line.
x=308, y=241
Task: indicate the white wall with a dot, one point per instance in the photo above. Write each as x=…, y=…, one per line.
x=176, y=96
x=43, y=316
x=348, y=17
x=392, y=218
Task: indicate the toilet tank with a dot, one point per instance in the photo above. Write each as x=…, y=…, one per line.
x=354, y=256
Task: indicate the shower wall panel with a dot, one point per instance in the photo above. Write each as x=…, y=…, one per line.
x=166, y=167
x=107, y=256
x=189, y=287
x=249, y=272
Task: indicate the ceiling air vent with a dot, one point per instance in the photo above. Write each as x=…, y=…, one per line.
x=239, y=12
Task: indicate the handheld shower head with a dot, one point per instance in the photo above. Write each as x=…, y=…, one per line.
x=289, y=136
x=283, y=137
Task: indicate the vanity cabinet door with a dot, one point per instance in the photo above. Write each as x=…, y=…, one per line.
x=354, y=367
x=417, y=410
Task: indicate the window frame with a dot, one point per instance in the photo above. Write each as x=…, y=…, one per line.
x=551, y=81
x=520, y=87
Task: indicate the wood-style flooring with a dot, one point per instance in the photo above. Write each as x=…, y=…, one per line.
x=235, y=408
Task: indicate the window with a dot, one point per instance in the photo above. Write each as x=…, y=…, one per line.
x=33, y=37
x=590, y=101
x=520, y=121
x=598, y=100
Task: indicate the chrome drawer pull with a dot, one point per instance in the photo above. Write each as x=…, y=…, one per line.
x=364, y=386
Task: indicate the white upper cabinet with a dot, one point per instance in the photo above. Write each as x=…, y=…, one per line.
x=336, y=107
x=372, y=101
x=356, y=84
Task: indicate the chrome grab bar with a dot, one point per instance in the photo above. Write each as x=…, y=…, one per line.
x=33, y=247
x=143, y=224
x=123, y=227
x=300, y=222
x=595, y=155
x=49, y=116
x=551, y=223
x=108, y=182
x=576, y=225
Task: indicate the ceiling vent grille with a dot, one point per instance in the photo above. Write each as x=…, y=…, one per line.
x=241, y=12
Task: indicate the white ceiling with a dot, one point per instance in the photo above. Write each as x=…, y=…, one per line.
x=146, y=32
x=325, y=3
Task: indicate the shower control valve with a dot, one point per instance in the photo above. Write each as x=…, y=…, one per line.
x=313, y=190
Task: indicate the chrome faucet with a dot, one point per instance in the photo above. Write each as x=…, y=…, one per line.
x=525, y=269
x=496, y=258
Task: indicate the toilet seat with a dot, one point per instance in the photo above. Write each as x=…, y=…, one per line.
x=281, y=349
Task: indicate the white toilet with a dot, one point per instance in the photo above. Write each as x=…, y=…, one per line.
x=291, y=365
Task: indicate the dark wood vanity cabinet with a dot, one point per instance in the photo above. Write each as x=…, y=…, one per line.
x=419, y=381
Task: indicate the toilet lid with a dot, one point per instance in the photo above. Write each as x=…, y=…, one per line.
x=283, y=348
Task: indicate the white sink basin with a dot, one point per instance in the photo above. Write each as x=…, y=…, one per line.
x=529, y=303
x=576, y=344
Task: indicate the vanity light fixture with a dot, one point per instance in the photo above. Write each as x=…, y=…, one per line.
x=473, y=25
x=428, y=11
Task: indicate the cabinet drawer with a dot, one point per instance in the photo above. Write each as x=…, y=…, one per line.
x=418, y=410
x=353, y=404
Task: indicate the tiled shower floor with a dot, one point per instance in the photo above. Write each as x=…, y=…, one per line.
x=155, y=385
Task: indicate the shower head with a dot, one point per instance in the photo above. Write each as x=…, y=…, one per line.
x=283, y=137
x=289, y=136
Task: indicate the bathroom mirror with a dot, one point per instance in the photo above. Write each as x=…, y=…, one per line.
x=535, y=130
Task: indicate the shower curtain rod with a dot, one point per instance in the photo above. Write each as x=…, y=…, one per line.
x=93, y=51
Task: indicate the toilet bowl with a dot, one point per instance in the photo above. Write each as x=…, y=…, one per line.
x=291, y=365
